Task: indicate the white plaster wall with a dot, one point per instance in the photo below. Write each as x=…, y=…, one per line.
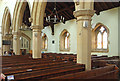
x=71, y=28
x=110, y=19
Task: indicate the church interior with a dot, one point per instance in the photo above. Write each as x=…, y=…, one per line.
x=59, y=40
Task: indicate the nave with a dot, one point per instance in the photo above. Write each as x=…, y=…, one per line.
x=84, y=44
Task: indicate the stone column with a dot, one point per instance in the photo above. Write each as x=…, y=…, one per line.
x=16, y=43
x=84, y=36
x=37, y=42
x=5, y=47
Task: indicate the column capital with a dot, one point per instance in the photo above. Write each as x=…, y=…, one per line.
x=83, y=12
x=6, y=37
x=36, y=28
x=16, y=33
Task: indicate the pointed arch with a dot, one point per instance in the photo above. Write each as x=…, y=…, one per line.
x=99, y=25
x=64, y=40
x=18, y=14
x=38, y=11
x=100, y=42
x=6, y=22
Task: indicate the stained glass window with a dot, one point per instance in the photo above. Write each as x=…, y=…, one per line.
x=102, y=38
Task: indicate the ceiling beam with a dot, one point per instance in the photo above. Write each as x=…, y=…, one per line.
x=111, y=4
x=64, y=5
x=49, y=10
x=64, y=15
x=105, y=5
x=66, y=8
x=99, y=6
x=67, y=14
x=64, y=12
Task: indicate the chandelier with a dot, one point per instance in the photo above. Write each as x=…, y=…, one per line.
x=24, y=27
x=54, y=18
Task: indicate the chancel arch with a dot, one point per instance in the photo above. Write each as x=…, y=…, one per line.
x=100, y=35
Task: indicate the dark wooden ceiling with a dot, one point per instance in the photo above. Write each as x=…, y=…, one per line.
x=102, y=6
x=66, y=9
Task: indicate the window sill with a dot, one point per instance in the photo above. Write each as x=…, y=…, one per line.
x=100, y=50
x=65, y=50
x=44, y=49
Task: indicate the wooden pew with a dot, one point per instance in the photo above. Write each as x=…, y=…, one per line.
x=27, y=63
x=107, y=72
x=64, y=57
x=72, y=57
x=50, y=68
x=21, y=69
x=48, y=73
x=38, y=68
x=98, y=63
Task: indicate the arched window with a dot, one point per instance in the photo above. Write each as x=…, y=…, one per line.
x=64, y=41
x=100, y=38
x=44, y=42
